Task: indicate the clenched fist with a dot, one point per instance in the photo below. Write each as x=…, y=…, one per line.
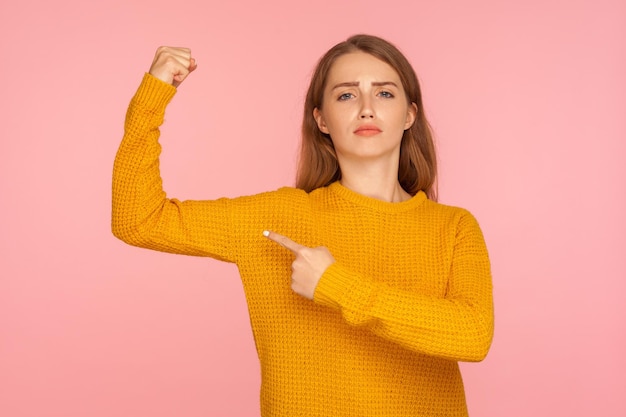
x=172, y=65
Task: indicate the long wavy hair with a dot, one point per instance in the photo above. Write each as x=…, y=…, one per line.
x=318, y=165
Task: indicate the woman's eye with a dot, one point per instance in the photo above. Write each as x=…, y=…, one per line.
x=345, y=96
x=386, y=94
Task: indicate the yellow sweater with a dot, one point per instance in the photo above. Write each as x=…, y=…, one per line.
x=408, y=296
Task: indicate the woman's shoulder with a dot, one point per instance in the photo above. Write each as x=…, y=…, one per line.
x=281, y=210
x=280, y=197
x=444, y=207
x=459, y=218
x=448, y=211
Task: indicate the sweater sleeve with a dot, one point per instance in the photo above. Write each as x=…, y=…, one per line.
x=142, y=215
x=457, y=327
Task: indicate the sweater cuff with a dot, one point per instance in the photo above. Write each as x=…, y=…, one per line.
x=154, y=93
x=341, y=289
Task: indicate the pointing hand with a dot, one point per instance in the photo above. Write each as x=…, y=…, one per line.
x=308, y=266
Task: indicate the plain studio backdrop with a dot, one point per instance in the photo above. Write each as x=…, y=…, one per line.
x=527, y=100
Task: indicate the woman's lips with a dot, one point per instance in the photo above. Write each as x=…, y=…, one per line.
x=367, y=130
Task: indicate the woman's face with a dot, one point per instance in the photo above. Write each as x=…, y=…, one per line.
x=365, y=109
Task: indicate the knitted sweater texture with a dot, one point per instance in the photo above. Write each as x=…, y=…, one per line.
x=408, y=297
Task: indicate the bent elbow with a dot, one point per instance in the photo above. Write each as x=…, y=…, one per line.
x=126, y=231
x=480, y=345
x=121, y=232
x=480, y=354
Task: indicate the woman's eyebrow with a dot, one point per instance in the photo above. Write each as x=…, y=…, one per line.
x=383, y=83
x=346, y=84
x=356, y=84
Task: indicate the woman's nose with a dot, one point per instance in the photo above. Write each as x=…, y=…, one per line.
x=366, y=110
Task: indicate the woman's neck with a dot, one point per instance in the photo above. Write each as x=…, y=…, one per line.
x=374, y=180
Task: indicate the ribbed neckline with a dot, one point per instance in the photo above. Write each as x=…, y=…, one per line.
x=375, y=204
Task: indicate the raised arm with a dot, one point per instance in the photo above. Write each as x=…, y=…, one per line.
x=142, y=215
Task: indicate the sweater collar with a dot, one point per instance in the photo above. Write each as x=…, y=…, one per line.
x=375, y=204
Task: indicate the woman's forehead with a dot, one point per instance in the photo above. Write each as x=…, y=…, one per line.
x=360, y=66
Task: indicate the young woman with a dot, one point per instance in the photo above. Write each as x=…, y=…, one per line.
x=374, y=291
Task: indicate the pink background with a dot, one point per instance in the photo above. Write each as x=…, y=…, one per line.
x=527, y=100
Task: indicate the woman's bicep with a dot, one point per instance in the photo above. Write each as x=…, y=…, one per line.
x=196, y=228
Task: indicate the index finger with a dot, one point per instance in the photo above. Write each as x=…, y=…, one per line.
x=283, y=241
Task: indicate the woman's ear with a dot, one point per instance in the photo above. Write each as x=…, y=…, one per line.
x=319, y=119
x=411, y=115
